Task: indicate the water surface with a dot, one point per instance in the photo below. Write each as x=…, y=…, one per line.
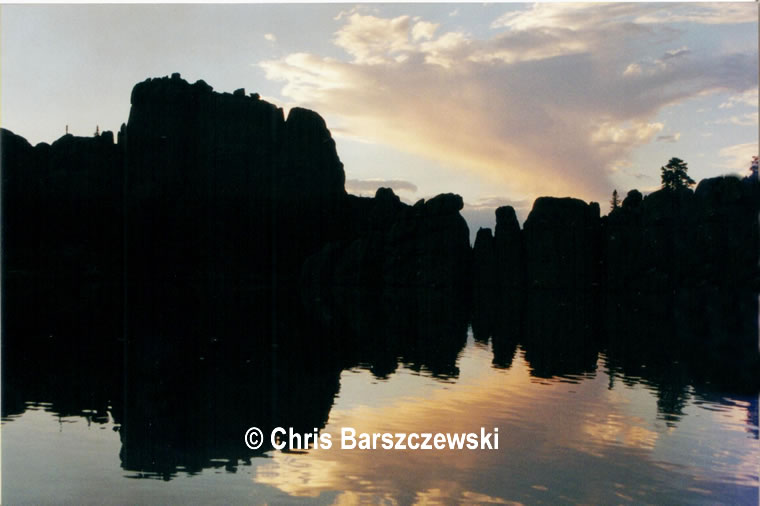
x=596, y=437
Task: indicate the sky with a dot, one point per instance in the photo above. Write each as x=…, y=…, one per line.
x=500, y=103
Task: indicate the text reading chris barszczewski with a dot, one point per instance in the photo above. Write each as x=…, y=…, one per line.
x=280, y=438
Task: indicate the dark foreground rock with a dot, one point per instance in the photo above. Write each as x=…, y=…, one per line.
x=392, y=244
x=206, y=198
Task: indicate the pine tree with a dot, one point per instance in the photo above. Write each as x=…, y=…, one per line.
x=674, y=176
x=615, y=201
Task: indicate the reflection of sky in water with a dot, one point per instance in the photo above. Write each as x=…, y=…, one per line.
x=589, y=439
x=580, y=442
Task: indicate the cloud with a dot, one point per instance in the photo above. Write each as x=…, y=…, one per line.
x=270, y=37
x=424, y=30
x=372, y=40
x=370, y=186
x=626, y=135
x=653, y=66
x=707, y=14
x=675, y=53
x=747, y=98
x=545, y=105
x=748, y=119
x=493, y=202
x=739, y=156
x=669, y=138
x=566, y=16
x=571, y=17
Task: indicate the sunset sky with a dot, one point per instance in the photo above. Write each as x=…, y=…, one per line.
x=500, y=103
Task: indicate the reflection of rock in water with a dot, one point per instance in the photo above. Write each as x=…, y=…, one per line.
x=191, y=397
x=424, y=329
x=183, y=400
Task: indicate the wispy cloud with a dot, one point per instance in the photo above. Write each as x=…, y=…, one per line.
x=748, y=119
x=739, y=156
x=708, y=14
x=669, y=138
x=635, y=15
x=370, y=186
x=546, y=105
x=747, y=98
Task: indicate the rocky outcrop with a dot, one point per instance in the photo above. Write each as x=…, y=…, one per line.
x=562, y=244
x=675, y=241
x=484, y=257
x=62, y=237
x=429, y=245
x=681, y=276
x=389, y=243
x=208, y=196
x=509, y=249
x=62, y=205
x=222, y=185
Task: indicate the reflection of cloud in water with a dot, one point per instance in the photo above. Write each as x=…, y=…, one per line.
x=475, y=498
x=302, y=477
x=350, y=498
x=557, y=440
x=542, y=427
x=617, y=429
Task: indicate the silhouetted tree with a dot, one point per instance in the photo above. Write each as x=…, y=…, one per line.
x=615, y=201
x=674, y=176
x=97, y=130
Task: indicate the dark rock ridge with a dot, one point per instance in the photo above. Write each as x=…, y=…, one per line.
x=672, y=277
x=61, y=234
x=207, y=197
x=223, y=186
x=62, y=205
x=203, y=196
x=392, y=244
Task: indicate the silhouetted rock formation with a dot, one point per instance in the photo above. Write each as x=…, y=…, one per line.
x=484, y=256
x=562, y=244
x=509, y=250
x=209, y=199
x=672, y=277
x=62, y=205
x=682, y=277
x=62, y=233
x=206, y=195
x=389, y=243
x=223, y=193
x=209, y=202
x=221, y=185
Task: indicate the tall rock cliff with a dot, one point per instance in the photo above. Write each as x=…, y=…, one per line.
x=221, y=185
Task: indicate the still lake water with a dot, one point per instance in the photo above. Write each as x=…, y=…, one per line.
x=597, y=438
